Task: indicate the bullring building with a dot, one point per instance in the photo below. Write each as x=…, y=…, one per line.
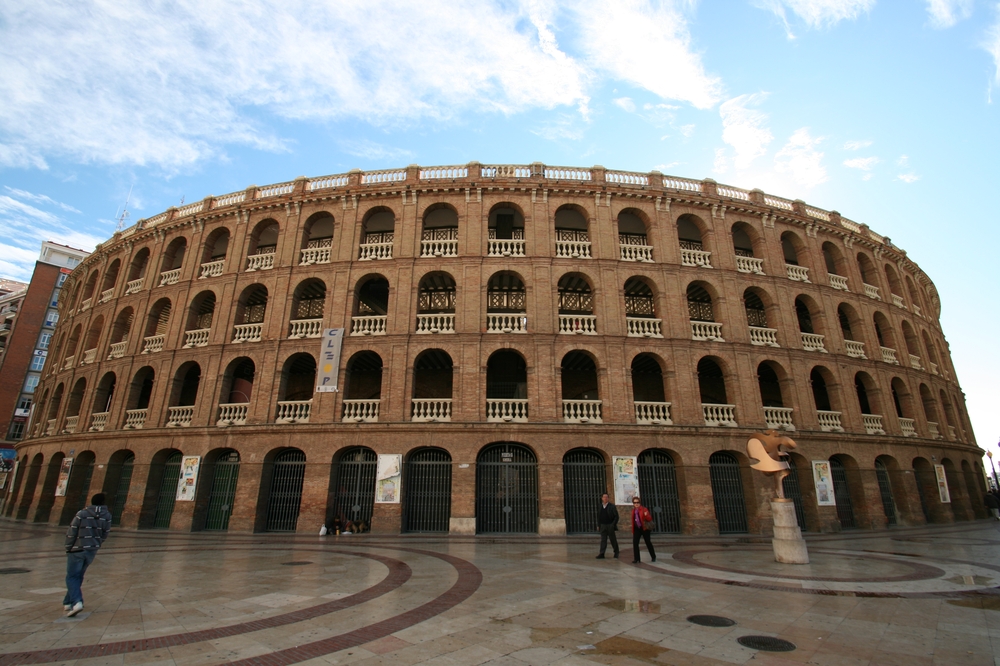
x=509, y=329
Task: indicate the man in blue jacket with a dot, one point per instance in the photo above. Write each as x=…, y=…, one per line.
x=86, y=533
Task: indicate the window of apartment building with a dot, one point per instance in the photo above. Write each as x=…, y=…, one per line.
x=52, y=318
x=16, y=431
x=43, y=340
x=62, y=278
x=31, y=383
x=37, y=362
x=24, y=403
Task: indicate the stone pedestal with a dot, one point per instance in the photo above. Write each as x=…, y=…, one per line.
x=789, y=546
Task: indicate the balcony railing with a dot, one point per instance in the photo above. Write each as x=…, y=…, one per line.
x=260, y=262
x=719, y=416
x=135, y=418
x=797, y=273
x=370, y=325
x=813, y=342
x=68, y=362
x=361, y=411
x=212, y=269
x=916, y=310
x=889, y=356
x=898, y=301
x=908, y=427
x=871, y=291
x=315, y=255
x=706, y=330
x=505, y=247
x=117, y=349
x=305, y=328
x=69, y=427
x=170, y=277
x=652, y=413
x=439, y=248
x=696, y=258
x=443, y=322
x=375, y=251
x=838, y=282
x=134, y=286
x=641, y=327
x=431, y=410
x=99, y=421
x=180, y=416
x=749, y=265
x=779, y=418
x=873, y=424
x=196, y=338
x=293, y=411
x=506, y=323
x=915, y=362
x=89, y=356
x=582, y=411
x=763, y=337
x=932, y=428
x=232, y=414
x=50, y=427
x=573, y=249
x=855, y=349
x=247, y=332
x=86, y=304
x=829, y=421
x=509, y=410
x=106, y=295
x=643, y=253
x=578, y=324
x=932, y=367
x=952, y=433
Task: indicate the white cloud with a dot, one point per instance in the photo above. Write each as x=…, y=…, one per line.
x=903, y=160
x=687, y=130
x=857, y=145
x=946, y=13
x=908, y=177
x=862, y=163
x=370, y=150
x=800, y=159
x=40, y=198
x=817, y=13
x=20, y=157
x=625, y=103
x=992, y=44
x=743, y=128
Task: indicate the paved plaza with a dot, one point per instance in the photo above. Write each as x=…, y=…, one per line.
x=907, y=596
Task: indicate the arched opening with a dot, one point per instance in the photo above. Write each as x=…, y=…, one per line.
x=914, y=294
x=432, y=386
x=506, y=222
x=220, y=473
x=250, y=312
x=30, y=482
x=864, y=386
x=912, y=347
x=791, y=245
x=930, y=411
x=959, y=502
x=317, y=239
x=584, y=479
x=659, y=490
x=949, y=416
x=633, y=241
x=742, y=242
x=199, y=323
x=868, y=273
x=769, y=385
x=237, y=389
x=378, y=232
x=352, y=488
x=760, y=333
x=371, y=303
x=157, y=325
x=140, y=392
x=506, y=387
x=93, y=339
x=895, y=286
x=117, y=482
x=692, y=242
x=164, y=475
x=506, y=304
x=183, y=395
x=842, y=494
x=88, y=289
x=173, y=259
x=439, y=236
x=308, y=303
x=102, y=402
x=792, y=487
x=885, y=489
x=821, y=395
x=506, y=489
x=73, y=406
x=927, y=490
x=902, y=401
x=701, y=313
x=263, y=242
x=137, y=271
x=363, y=387
x=727, y=493
x=572, y=235
x=69, y=360
x=48, y=495
x=77, y=489
x=110, y=280
x=833, y=258
x=974, y=489
x=298, y=383
x=436, y=304
x=285, y=473
x=648, y=391
x=214, y=253
x=427, y=491
x=576, y=305
x=848, y=320
x=580, y=395
x=10, y=505
x=53, y=409
x=712, y=387
x=932, y=356
x=120, y=332
x=640, y=309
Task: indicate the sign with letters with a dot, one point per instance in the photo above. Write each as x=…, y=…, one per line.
x=329, y=360
x=626, y=471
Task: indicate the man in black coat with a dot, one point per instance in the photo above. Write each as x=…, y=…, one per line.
x=607, y=523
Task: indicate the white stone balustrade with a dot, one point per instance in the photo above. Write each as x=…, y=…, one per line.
x=871, y=291
x=50, y=427
x=170, y=277
x=89, y=356
x=260, y=262
x=908, y=427
x=375, y=251
x=68, y=362
x=196, y=338
x=232, y=414
x=706, y=330
x=581, y=411
x=567, y=173
x=573, y=249
x=932, y=428
x=117, y=349
x=915, y=362
x=106, y=295
x=87, y=302
x=719, y=416
x=211, y=269
x=829, y=421
x=315, y=255
x=779, y=418
x=643, y=253
x=952, y=433
x=247, y=332
x=889, y=356
x=838, y=282
x=293, y=411
x=916, y=310
x=813, y=342
x=431, y=410
x=763, y=337
x=370, y=325
x=439, y=248
x=443, y=322
x=361, y=411
x=696, y=258
x=578, y=324
x=642, y=327
x=275, y=190
x=99, y=421
x=932, y=367
x=505, y=247
x=135, y=418
x=69, y=427
x=652, y=413
x=328, y=182
x=797, y=273
x=305, y=328
x=386, y=176
x=447, y=172
x=506, y=323
x=749, y=265
x=898, y=301
x=509, y=410
x=873, y=424
x=134, y=286
x=855, y=349
x=180, y=416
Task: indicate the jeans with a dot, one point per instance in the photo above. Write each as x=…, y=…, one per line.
x=76, y=566
x=608, y=532
x=644, y=534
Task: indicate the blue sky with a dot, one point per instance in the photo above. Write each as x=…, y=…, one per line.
x=884, y=111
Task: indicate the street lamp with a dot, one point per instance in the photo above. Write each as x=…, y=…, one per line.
x=989, y=454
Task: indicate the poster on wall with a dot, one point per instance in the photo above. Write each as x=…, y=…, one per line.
x=67, y=465
x=329, y=360
x=942, y=481
x=626, y=471
x=387, y=478
x=188, y=480
x=823, y=478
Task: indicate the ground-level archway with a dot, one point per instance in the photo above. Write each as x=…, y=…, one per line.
x=506, y=489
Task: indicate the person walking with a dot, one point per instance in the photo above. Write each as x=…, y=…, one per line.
x=607, y=524
x=642, y=524
x=993, y=504
x=84, y=537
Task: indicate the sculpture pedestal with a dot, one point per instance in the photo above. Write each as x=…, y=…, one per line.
x=789, y=546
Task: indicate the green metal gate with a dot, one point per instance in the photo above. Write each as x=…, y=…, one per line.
x=727, y=493
x=506, y=490
x=79, y=480
x=287, y=473
x=842, y=493
x=427, y=491
x=790, y=484
x=168, y=491
x=121, y=490
x=584, y=481
x=355, y=483
x=885, y=490
x=658, y=489
x=226, y=472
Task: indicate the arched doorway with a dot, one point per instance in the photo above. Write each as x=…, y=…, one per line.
x=506, y=490
x=584, y=481
x=225, y=475
x=658, y=489
x=285, y=494
x=168, y=491
x=842, y=494
x=793, y=491
x=119, y=487
x=427, y=491
x=78, y=487
x=885, y=490
x=353, y=482
x=727, y=493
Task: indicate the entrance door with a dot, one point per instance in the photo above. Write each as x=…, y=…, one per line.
x=885, y=490
x=220, y=501
x=168, y=491
x=506, y=490
x=287, y=473
x=584, y=481
x=355, y=483
x=790, y=484
x=121, y=491
x=427, y=491
x=842, y=493
x=658, y=489
x=727, y=493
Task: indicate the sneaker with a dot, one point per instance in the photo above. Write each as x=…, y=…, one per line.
x=66, y=607
x=77, y=607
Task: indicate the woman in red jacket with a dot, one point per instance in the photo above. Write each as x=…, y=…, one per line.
x=642, y=524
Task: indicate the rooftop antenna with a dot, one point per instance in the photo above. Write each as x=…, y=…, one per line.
x=122, y=214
